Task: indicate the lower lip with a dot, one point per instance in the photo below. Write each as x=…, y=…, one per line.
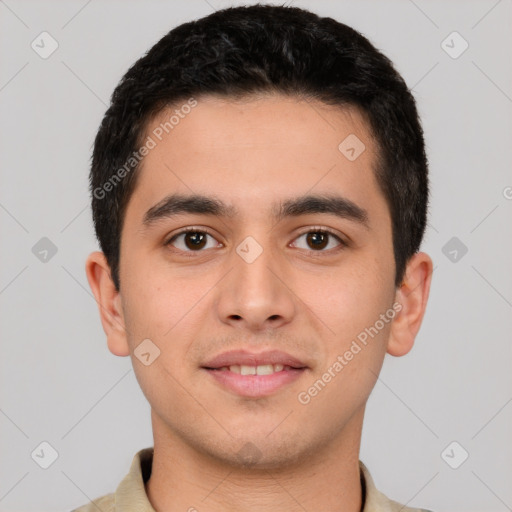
x=255, y=385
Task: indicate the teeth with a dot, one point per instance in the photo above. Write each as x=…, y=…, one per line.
x=247, y=370
x=264, y=369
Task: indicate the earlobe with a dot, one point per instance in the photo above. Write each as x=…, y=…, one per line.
x=109, y=303
x=412, y=296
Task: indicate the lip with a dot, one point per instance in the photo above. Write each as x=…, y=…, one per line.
x=244, y=357
x=254, y=385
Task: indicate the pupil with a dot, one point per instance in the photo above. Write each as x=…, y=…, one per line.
x=195, y=240
x=317, y=240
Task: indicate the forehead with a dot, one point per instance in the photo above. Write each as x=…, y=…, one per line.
x=258, y=151
x=265, y=120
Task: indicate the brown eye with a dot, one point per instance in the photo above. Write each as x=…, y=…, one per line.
x=195, y=240
x=318, y=240
x=191, y=240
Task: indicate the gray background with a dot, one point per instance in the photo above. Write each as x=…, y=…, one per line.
x=60, y=384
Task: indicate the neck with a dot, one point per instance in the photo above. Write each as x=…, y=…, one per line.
x=183, y=479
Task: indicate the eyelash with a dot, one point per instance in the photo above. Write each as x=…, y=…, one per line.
x=342, y=243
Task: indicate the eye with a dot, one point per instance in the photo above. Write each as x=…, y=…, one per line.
x=318, y=240
x=193, y=240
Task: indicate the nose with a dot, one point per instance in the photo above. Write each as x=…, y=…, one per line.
x=255, y=294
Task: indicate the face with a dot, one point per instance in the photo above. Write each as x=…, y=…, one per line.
x=287, y=266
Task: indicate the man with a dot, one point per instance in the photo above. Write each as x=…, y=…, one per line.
x=259, y=191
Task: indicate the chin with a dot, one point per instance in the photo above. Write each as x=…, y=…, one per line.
x=260, y=452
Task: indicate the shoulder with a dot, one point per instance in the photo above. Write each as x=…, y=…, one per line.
x=394, y=506
x=104, y=503
x=376, y=501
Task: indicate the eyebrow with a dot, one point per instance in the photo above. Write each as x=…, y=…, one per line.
x=177, y=204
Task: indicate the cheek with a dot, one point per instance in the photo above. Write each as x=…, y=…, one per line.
x=351, y=297
x=155, y=300
x=163, y=309
x=159, y=316
x=161, y=384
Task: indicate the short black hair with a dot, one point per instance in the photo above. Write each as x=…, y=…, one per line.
x=242, y=51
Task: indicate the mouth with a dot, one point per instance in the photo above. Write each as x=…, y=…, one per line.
x=262, y=369
x=254, y=375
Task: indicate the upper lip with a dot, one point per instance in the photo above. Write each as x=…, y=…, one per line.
x=246, y=358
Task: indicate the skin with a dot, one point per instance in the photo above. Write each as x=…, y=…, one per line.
x=308, y=302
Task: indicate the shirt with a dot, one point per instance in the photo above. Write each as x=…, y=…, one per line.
x=130, y=495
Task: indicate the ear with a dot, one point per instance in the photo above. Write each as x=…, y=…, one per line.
x=109, y=303
x=412, y=297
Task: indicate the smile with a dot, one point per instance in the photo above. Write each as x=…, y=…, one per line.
x=263, y=369
x=254, y=381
